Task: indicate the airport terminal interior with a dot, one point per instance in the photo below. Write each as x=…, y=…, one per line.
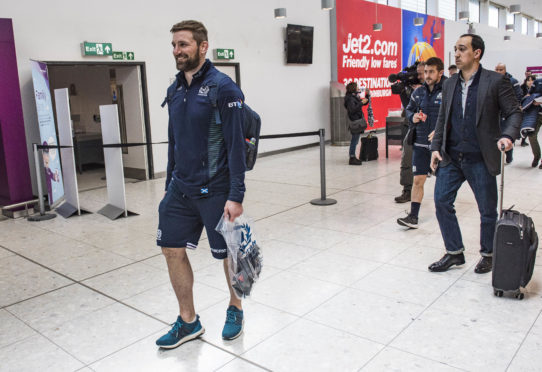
x=343, y=287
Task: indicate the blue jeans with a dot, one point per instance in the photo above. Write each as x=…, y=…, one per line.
x=483, y=185
x=353, y=143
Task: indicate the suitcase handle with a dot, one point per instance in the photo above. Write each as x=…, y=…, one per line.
x=501, y=188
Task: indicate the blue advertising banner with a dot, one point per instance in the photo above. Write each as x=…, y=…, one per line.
x=419, y=42
x=46, y=121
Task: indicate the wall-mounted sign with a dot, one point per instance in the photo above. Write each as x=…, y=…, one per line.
x=224, y=54
x=124, y=55
x=96, y=49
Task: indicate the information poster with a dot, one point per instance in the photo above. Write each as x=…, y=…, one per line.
x=368, y=57
x=419, y=43
x=46, y=121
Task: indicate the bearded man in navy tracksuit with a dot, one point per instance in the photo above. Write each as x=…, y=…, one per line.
x=205, y=175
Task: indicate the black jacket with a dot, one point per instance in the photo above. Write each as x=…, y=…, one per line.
x=495, y=98
x=353, y=105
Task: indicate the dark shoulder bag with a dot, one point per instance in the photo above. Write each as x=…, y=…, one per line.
x=357, y=126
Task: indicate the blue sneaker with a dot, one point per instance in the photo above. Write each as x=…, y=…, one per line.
x=234, y=323
x=181, y=333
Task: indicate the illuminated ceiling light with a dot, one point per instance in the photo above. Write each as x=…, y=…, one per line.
x=515, y=9
x=327, y=4
x=280, y=13
x=463, y=16
x=418, y=21
x=510, y=27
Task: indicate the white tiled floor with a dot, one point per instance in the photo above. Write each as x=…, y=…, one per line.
x=344, y=288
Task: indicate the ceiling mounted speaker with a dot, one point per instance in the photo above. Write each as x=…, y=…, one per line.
x=515, y=9
x=437, y=35
x=539, y=35
x=377, y=26
x=280, y=13
x=327, y=4
x=463, y=16
x=507, y=38
x=418, y=21
x=510, y=27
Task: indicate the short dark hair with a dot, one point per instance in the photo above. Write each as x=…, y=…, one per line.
x=352, y=87
x=435, y=61
x=452, y=66
x=199, y=32
x=421, y=63
x=477, y=43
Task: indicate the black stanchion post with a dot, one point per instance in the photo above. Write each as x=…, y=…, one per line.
x=323, y=200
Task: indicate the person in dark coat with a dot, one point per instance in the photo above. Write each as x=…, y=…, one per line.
x=501, y=69
x=354, y=103
x=529, y=89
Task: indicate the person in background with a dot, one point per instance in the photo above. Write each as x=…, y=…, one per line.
x=422, y=113
x=501, y=69
x=528, y=89
x=452, y=70
x=527, y=86
x=406, y=178
x=354, y=100
x=467, y=144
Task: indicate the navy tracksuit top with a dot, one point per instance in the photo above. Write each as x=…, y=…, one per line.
x=429, y=103
x=206, y=158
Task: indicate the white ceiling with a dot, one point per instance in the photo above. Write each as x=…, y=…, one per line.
x=532, y=8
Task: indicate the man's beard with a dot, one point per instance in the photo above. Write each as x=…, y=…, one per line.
x=188, y=64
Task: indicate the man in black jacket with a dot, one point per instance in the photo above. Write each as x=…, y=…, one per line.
x=406, y=177
x=501, y=69
x=468, y=139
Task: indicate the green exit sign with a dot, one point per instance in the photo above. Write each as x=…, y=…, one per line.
x=97, y=49
x=224, y=54
x=124, y=55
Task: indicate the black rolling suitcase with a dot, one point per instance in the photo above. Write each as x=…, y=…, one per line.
x=514, y=249
x=369, y=148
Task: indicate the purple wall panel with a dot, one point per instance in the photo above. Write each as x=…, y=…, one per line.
x=16, y=184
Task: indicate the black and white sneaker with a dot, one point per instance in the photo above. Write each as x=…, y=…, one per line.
x=408, y=221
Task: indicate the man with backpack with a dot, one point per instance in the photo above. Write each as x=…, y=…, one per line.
x=205, y=174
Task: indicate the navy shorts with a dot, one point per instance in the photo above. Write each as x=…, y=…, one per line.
x=421, y=161
x=181, y=221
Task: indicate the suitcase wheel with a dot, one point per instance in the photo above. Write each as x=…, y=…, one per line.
x=498, y=293
x=520, y=296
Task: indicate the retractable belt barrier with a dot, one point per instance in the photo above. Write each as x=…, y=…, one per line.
x=110, y=145
x=321, y=133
